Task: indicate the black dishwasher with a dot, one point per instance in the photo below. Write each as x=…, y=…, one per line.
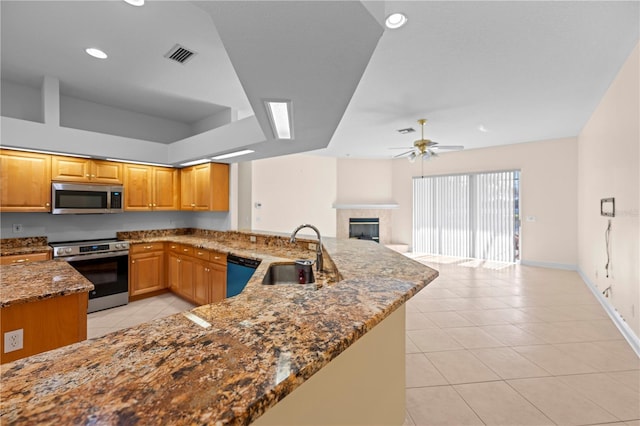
x=239, y=272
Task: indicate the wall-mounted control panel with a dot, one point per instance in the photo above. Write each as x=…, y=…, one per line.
x=608, y=207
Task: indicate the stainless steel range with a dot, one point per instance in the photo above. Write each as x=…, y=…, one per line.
x=103, y=262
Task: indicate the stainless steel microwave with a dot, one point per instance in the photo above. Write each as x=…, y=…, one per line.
x=79, y=198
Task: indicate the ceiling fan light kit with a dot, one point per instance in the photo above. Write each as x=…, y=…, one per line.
x=426, y=148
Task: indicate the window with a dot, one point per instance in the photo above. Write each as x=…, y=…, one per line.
x=470, y=215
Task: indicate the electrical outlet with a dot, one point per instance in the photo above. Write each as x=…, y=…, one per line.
x=252, y=238
x=17, y=228
x=13, y=340
x=313, y=246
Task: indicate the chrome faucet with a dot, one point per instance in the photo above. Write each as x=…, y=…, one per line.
x=319, y=262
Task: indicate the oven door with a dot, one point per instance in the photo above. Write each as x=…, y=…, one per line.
x=109, y=274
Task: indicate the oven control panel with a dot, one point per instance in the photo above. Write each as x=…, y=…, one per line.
x=88, y=247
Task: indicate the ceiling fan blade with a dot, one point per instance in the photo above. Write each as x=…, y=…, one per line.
x=403, y=154
x=401, y=147
x=450, y=147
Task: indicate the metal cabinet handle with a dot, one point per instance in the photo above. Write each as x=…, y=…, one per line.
x=148, y=247
x=87, y=175
x=179, y=260
x=185, y=249
x=133, y=261
x=47, y=204
x=150, y=205
x=173, y=246
x=20, y=260
x=155, y=205
x=200, y=253
x=193, y=204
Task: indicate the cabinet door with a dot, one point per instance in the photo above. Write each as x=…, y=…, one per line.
x=219, y=187
x=106, y=172
x=186, y=277
x=25, y=182
x=186, y=189
x=173, y=272
x=201, y=185
x=217, y=282
x=147, y=273
x=200, y=282
x=166, y=189
x=70, y=169
x=137, y=187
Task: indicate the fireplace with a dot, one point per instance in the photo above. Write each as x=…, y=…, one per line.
x=364, y=228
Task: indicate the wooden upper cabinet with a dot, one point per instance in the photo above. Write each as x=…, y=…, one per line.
x=73, y=169
x=25, y=182
x=151, y=188
x=166, y=188
x=205, y=187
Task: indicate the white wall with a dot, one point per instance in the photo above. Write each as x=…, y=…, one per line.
x=19, y=101
x=365, y=181
x=84, y=227
x=293, y=190
x=85, y=115
x=608, y=166
x=547, y=191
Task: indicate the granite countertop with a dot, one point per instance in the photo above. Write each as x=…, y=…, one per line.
x=28, y=245
x=240, y=357
x=29, y=282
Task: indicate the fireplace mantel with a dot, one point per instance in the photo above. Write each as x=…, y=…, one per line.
x=365, y=206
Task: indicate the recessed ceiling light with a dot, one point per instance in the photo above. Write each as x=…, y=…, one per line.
x=280, y=116
x=395, y=20
x=135, y=2
x=482, y=129
x=96, y=53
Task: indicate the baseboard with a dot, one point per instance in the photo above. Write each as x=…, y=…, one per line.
x=549, y=265
x=627, y=332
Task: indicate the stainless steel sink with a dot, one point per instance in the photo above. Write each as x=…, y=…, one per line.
x=285, y=273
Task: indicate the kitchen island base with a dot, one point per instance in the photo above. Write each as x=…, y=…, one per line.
x=364, y=385
x=47, y=324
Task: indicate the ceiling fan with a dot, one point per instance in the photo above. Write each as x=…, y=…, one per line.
x=426, y=148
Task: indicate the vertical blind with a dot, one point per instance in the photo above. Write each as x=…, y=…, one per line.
x=471, y=215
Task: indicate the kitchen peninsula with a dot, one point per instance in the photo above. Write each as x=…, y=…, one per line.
x=328, y=351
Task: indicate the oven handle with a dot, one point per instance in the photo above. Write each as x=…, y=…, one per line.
x=94, y=256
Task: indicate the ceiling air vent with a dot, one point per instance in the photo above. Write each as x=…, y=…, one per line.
x=407, y=130
x=179, y=54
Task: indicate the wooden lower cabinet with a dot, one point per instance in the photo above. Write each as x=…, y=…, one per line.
x=200, y=276
x=146, y=269
x=46, y=324
x=180, y=272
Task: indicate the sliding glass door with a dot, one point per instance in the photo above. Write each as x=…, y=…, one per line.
x=467, y=215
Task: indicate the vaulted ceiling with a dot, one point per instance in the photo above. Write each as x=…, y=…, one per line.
x=523, y=71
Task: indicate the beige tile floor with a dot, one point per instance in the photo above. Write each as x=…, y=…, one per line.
x=141, y=311
x=492, y=344
x=498, y=344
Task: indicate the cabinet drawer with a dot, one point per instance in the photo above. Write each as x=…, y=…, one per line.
x=23, y=258
x=201, y=254
x=181, y=249
x=145, y=247
x=217, y=257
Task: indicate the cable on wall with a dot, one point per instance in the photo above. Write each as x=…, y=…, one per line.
x=607, y=238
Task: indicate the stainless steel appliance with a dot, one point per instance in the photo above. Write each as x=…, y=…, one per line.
x=80, y=198
x=103, y=262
